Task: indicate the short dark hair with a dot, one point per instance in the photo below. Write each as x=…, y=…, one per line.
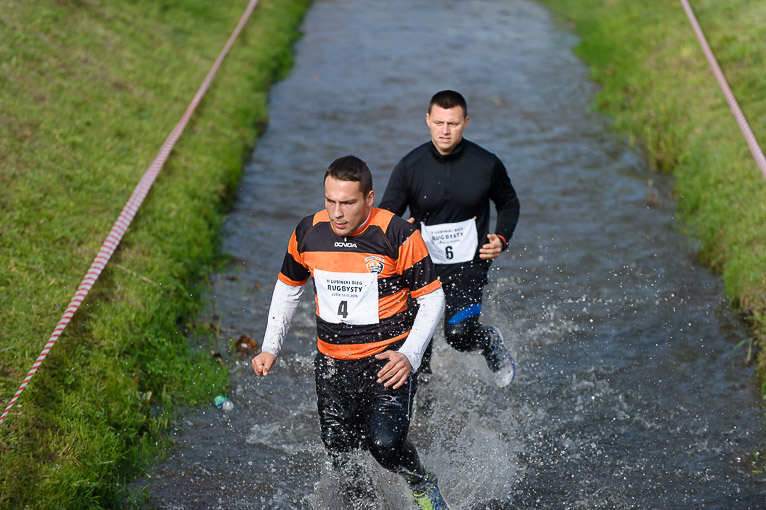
x=448, y=99
x=351, y=168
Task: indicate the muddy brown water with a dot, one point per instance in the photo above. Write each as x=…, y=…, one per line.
x=631, y=390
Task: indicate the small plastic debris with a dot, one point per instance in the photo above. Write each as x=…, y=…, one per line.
x=223, y=403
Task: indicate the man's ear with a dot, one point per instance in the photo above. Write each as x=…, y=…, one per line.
x=370, y=198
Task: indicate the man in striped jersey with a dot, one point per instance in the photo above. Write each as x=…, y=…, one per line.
x=365, y=263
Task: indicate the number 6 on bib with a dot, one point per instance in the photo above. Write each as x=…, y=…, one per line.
x=451, y=243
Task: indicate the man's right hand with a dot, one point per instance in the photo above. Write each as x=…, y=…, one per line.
x=263, y=362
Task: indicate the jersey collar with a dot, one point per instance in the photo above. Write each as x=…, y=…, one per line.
x=361, y=227
x=456, y=152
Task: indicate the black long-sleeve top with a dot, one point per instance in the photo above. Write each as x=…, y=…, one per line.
x=454, y=187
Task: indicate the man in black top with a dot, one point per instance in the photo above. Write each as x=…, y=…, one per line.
x=447, y=183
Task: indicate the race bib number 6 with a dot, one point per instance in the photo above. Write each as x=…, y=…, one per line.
x=347, y=298
x=451, y=243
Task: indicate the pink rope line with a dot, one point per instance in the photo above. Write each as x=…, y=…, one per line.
x=755, y=149
x=129, y=211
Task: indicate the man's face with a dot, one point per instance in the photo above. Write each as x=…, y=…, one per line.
x=446, y=127
x=347, y=206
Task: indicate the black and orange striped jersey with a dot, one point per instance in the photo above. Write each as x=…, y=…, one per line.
x=361, y=281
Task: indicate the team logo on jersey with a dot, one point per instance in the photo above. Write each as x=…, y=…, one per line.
x=374, y=264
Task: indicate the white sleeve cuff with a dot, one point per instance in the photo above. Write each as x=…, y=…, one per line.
x=430, y=309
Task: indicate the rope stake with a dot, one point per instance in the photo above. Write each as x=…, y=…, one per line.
x=130, y=209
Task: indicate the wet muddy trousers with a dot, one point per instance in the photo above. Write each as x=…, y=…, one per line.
x=462, y=331
x=358, y=413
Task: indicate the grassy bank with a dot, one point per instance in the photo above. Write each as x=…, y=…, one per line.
x=88, y=92
x=660, y=90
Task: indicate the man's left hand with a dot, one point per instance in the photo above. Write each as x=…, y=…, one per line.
x=492, y=249
x=396, y=371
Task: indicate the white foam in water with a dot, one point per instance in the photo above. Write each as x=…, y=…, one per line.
x=385, y=491
x=479, y=464
x=266, y=434
x=470, y=438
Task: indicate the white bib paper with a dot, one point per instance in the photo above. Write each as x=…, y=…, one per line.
x=347, y=298
x=451, y=243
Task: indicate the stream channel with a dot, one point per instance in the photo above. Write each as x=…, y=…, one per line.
x=631, y=390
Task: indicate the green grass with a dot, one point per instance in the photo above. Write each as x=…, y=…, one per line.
x=661, y=91
x=89, y=89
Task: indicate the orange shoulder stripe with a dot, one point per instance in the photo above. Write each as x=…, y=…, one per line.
x=381, y=218
x=321, y=216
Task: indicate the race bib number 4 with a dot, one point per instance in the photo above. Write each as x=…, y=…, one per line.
x=451, y=243
x=347, y=298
